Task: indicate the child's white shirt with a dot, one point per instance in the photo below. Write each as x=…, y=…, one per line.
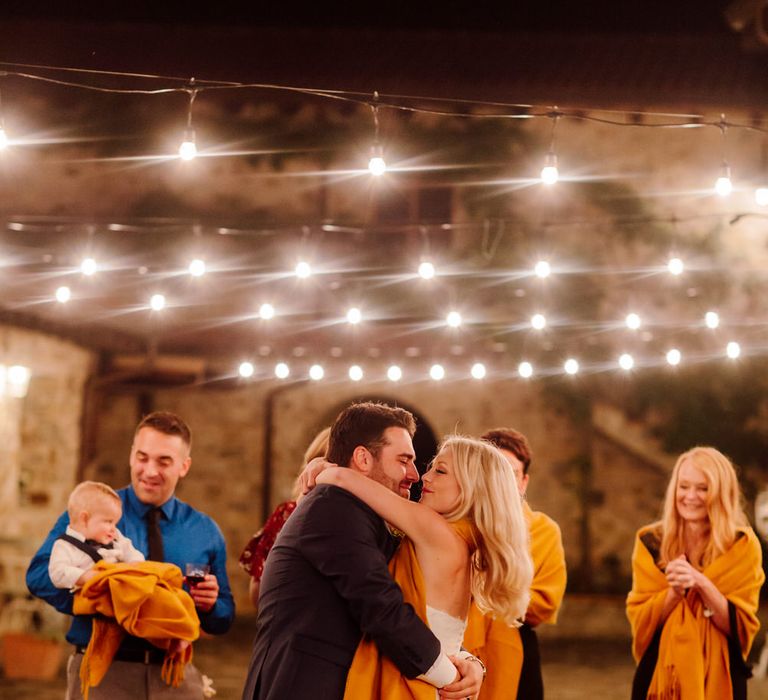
x=68, y=563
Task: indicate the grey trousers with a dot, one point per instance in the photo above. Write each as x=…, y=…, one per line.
x=129, y=680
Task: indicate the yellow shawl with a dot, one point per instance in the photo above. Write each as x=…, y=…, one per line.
x=374, y=676
x=144, y=599
x=693, y=661
x=498, y=645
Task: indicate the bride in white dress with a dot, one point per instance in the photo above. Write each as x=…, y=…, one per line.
x=468, y=535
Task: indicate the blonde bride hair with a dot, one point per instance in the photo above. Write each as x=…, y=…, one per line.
x=724, y=507
x=502, y=569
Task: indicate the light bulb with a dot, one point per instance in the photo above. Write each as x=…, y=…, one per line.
x=316, y=372
x=542, y=269
x=633, y=321
x=376, y=164
x=245, y=370
x=761, y=196
x=453, y=319
x=88, y=266
x=282, y=370
x=571, y=366
x=426, y=270
x=188, y=148
x=538, y=321
x=525, y=370
x=675, y=266
x=17, y=381
x=723, y=184
x=712, y=319
x=733, y=350
x=303, y=270
x=3, y=139
x=478, y=371
x=437, y=372
x=549, y=173
x=626, y=362
x=266, y=311
x=157, y=302
x=355, y=373
x=354, y=315
x=674, y=356
x=197, y=267
x=394, y=373
x=63, y=295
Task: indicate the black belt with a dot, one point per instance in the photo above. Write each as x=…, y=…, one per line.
x=139, y=656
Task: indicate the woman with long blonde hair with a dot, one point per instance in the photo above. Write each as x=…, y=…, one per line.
x=696, y=578
x=467, y=538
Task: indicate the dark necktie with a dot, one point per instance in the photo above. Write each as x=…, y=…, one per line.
x=154, y=536
x=100, y=545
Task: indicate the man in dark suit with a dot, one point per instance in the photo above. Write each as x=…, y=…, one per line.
x=326, y=580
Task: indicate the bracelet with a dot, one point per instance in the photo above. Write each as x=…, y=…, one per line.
x=472, y=657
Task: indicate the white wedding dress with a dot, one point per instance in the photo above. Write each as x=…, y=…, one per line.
x=448, y=629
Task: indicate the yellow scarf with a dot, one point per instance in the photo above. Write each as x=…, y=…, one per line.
x=498, y=645
x=374, y=676
x=693, y=661
x=144, y=599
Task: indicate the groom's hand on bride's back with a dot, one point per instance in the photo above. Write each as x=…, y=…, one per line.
x=307, y=478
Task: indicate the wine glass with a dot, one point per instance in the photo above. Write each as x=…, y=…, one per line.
x=195, y=573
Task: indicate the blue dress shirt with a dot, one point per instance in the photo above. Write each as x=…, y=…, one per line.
x=188, y=536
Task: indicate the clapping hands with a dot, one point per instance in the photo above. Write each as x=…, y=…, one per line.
x=681, y=575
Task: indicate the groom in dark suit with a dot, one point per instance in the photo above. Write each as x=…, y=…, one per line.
x=326, y=580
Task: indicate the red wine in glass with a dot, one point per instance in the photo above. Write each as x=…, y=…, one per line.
x=195, y=573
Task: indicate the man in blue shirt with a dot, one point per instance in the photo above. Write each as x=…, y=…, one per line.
x=160, y=457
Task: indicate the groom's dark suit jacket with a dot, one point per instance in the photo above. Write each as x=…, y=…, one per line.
x=325, y=584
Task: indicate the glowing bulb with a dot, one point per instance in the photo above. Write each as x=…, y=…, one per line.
x=723, y=184
x=354, y=315
x=394, y=373
x=674, y=356
x=3, y=139
x=245, y=370
x=437, y=372
x=282, y=370
x=63, y=295
x=188, y=148
x=733, y=350
x=542, y=269
x=88, y=266
x=426, y=270
x=571, y=366
x=266, y=311
x=355, y=373
x=316, y=372
x=525, y=370
x=17, y=381
x=549, y=173
x=453, y=319
x=633, y=321
x=675, y=266
x=712, y=319
x=478, y=371
x=157, y=302
x=303, y=270
x=197, y=267
x=626, y=362
x=376, y=164
x=761, y=196
x=538, y=321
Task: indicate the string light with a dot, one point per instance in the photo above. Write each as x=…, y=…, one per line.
x=394, y=373
x=453, y=319
x=316, y=372
x=723, y=184
x=188, y=147
x=245, y=370
x=426, y=270
x=197, y=267
x=761, y=196
x=157, y=302
x=626, y=362
x=674, y=356
x=63, y=295
x=282, y=371
x=478, y=370
x=538, y=321
x=266, y=311
x=525, y=370
x=675, y=266
x=733, y=350
x=14, y=381
x=376, y=164
x=712, y=319
x=542, y=269
x=88, y=267
x=571, y=366
x=303, y=269
x=354, y=315
x=549, y=173
x=355, y=373
x=437, y=372
x=633, y=321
